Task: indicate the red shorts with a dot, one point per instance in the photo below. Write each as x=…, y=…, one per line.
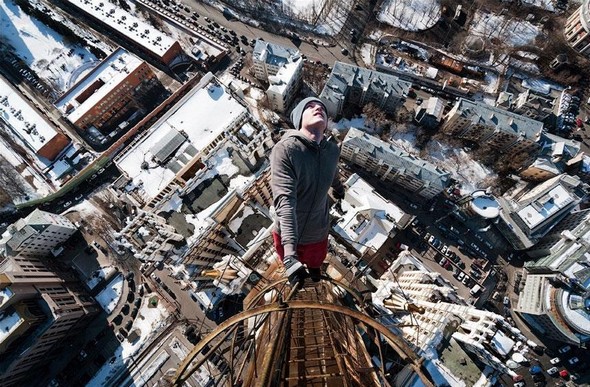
x=311, y=254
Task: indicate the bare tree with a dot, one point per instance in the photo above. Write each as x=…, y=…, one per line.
x=374, y=115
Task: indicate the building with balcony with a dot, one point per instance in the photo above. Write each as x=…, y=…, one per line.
x=394, y=165
x=577, y=29
x=524, y=221
x=280, y=67
x=504, y=131
x=357, y=86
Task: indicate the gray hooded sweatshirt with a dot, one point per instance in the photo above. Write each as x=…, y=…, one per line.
x=302, y=172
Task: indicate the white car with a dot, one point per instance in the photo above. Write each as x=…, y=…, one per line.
x=460, y=276
x=555, y=360
x=552, y=370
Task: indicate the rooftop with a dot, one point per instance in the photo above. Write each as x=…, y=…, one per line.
x=483, y=114
x=24, y=120
x=216, y=110
x=369, y=218
x=127, y=24
x=97, y=84
x=401, y=160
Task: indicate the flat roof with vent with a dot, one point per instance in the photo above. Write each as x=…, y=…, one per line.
x=127, y=24
x=544, y=207
x=99, y=82
x=202, y=116
x=24, y=120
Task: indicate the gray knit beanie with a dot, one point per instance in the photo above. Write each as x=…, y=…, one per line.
x=297, y=112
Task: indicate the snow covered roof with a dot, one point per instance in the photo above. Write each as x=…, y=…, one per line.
x=274, y=54
x=344, y=76
x=24, y=120
x=502, y=343
x=202, y=116
x=369, y=218
x=483, y=114
x=127, y=24
x=545, y=206
x=397, y=158
x=105, y=77
x=485, y=205
x=284, y=77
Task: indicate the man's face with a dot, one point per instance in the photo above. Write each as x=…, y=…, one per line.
x=314, y=116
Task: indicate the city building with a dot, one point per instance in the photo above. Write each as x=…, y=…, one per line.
x=280, y=67
x=535, y=106
x=429, y=114
x=525, y=220
x=138, y=32
x=556, y=305
x=554, y=158
x=170, y=157
x=109, y=94
x=504, y=131
x=394, y=165
x=30, y=127
x=37, y=235
x=577, y=29
x=148, y=237
x=40, y=308
x=432, y=317
x=366, y=221
x=350, y=85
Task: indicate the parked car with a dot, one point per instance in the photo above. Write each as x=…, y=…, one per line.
x=573, y=361
x=552, y=371
x=555, y=360
x=461, y=276
x=564, y=349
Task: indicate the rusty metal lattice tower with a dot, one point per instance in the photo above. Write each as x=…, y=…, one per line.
x=319, y=335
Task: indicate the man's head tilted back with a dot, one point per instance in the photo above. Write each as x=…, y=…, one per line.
x=310, y=112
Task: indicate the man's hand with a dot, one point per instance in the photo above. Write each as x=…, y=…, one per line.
x=294, y=269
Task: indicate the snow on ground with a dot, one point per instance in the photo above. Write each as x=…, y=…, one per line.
x=98, y=276
x=43, y=49
x=545, y=4
x=410, y=15
x=507, y=31
x=149, y=321
x=109, y=297
x=542, y=86
x=367, y=54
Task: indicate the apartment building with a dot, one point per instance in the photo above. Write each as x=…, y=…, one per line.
x=109, y=94
x=554, y=158
x=36, y=235
x=280, y=67
x=524, y=221
x=504, y=131
x=393, y=164
x=357, y=86
x=577, y=29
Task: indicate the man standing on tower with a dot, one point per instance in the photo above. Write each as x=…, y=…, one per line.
x=303, y=167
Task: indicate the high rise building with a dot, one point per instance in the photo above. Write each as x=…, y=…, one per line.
x=524, y=221
x=282, y=68
x=393, y=164
x=357, y=86
x=577, y=29
x=40, y=307
x=36, y=235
